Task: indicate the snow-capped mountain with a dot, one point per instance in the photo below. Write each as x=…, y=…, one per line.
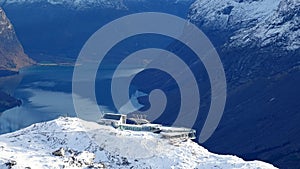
x=265, y=31
x=258, y=43
x=76, y=4
x=254, y=23
x=65, y=143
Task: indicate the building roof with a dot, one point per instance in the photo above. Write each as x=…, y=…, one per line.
x=112, y=116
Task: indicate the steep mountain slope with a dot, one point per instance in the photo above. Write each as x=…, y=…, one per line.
x=57, y=30
x=36, y=146
x=258, y=42
x=251, y=34
x=254, y=23
x=281, y=27
x=12, y=56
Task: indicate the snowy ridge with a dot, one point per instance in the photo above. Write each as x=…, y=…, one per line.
x=256, y=23
x=33, y=146
x=77, y=4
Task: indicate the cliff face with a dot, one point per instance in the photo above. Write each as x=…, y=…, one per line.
x=12, y=56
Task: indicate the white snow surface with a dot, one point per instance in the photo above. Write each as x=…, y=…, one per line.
x=280, y=27
x=242, y=13
x=254, y=22
x=33, y=146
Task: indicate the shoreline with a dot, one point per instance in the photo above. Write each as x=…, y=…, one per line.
x=5, y=73
x=55, y=64
x=8, y=102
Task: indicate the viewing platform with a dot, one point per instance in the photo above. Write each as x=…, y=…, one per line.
x=121, y=122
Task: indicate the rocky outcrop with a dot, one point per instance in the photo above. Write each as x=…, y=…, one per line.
x=60, y=152
x=11, y=163
x=12, y=56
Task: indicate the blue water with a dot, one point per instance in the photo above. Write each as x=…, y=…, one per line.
x=45, y=92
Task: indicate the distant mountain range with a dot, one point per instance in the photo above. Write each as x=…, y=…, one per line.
x=12, y=56
x=75, y=4
x=62, y=27
x=86, y=4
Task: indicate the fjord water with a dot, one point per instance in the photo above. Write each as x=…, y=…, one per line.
x=45, y=92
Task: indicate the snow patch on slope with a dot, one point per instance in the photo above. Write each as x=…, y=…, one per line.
x=281, y=27
x=255, y=23
x=231, y=14
x=33, y=147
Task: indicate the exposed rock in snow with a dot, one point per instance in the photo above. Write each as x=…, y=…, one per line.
x=88, y=144
x=59, y=152
x=256, y=23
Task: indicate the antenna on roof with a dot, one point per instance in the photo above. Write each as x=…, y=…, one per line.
x=140, y=116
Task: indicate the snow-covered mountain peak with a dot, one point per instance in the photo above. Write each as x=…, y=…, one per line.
x=73, y=143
